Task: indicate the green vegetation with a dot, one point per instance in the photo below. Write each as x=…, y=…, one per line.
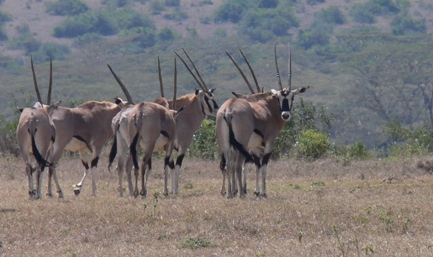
x=66, y=7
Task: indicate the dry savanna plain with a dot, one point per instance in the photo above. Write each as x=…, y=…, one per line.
x=322, y=208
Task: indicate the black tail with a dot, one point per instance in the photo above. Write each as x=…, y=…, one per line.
x=235, y=144
x=113, y=152
x=41, y=161
x=133, y=151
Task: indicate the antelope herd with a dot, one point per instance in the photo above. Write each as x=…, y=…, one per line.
x=246, y=129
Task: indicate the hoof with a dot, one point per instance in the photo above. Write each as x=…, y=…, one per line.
x=223, y=193
x=143, y=193
x=49, y=195
x=77, y=191
x=256, y=193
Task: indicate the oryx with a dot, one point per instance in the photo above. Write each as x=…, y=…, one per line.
x=35, y=136
x=84, y=129
x=247, y=128
x=150, y=125
x=195, y=108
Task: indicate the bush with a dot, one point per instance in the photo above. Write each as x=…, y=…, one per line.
x=204, y=144
x=311, y=145
x=231, y=11
x=117, y=3
x=331, y=15
x=362, y=14
x=4, y=17
x=176, y=16
x=156, y=7
x=264, y=24
x=358, y=150
x=66, y=7
x=88, y=38
x=166, y=35
x=89, y=22
x=143, y=37
x=127, y=19
x=314, y=2
x=404, y=24
x=314, y=36
x=172, y=3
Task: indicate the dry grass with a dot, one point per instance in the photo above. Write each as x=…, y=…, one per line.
x=380, y=208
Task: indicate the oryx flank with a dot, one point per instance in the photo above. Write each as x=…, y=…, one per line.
x=247, y=128
x=150, y=125
x=35, y=136
x=84, y=129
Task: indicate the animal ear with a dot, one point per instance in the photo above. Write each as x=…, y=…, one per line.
x=196, y=91
x=212, y=89
x=300, y=90
x=274, y=92
x=239, y=95
x=21, y=109
x=56, y=104
x=118, y=100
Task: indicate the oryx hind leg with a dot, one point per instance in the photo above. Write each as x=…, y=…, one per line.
x=128, y=169
x=29, y=171
x=146, y=168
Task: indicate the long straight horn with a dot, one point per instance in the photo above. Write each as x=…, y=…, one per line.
x=290, y=68
x=241, y=72
x=122, y=86
x=195, y=68
x=34, y=82
x=251, y=70
x=50, y=85
x=276, y=66
x=161, y=87
x=186, y=65
x=175, y=85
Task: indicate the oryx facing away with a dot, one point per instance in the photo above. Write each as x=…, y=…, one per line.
x=35, y=136
x=149, y=125
x=84, y=129
x=247, y=127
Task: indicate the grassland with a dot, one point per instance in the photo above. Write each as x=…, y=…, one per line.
x=322, y=208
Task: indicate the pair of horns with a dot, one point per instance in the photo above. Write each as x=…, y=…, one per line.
x=276, y=65
x=38, y=94
x=289, y=75
x=175, y=82
x=242, y=73
x=201, y=83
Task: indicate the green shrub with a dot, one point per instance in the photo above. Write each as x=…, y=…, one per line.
x=264, y=24
x=88, y=22
x=404, y=24
x=204, y=144
x=358, y=150
x=127, y=18
x=311, y=145
x=231, y=11
x=361, y=14
x=315, y=36
x=172, y=3
x=166, y=35
x=117, y=3
x=156, y=7
x=177, y=15
x=314, y=2
x=143, y=37
x=4, y=17
x=331, y=15
x=66, y=7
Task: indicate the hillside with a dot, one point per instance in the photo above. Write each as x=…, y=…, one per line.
x=331, y=41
